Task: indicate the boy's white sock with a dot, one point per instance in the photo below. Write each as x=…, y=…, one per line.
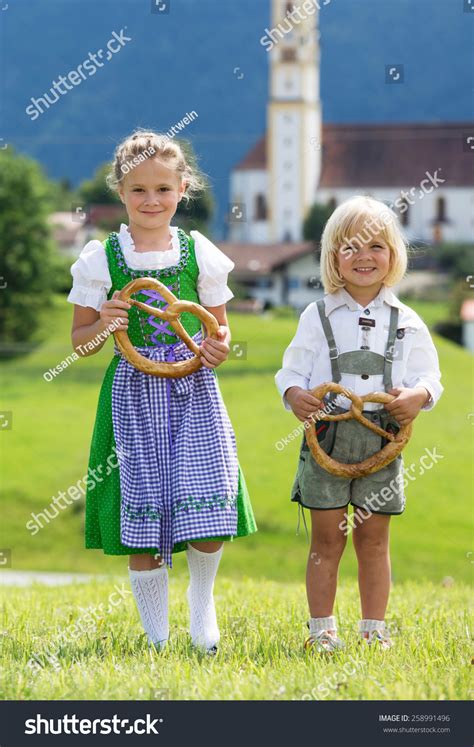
x=368, y=626
x=318, y=624
x=202, y=572
x=150, y=589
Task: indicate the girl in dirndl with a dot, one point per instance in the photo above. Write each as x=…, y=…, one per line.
x=176, y=484
x=361, y=336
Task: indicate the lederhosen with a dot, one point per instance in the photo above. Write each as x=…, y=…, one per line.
x=350, y=441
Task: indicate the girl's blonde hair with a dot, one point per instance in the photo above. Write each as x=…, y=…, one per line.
x=353, y=222
x=143, y=144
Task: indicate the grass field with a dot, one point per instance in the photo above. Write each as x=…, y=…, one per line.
x=260, y=656
x=260, y=580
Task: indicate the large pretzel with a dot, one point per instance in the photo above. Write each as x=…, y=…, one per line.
x=375, y=462
x=171, y=314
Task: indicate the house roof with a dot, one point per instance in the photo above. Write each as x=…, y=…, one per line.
x=251, y=260
x=395, y=155
x=64, y=228
x=386, y=155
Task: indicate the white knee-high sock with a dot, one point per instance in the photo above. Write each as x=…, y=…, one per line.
x=150, y=589
x=202, y=572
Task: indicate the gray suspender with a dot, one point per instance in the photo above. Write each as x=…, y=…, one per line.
x=392, y=333
x=333, y=351
x=359, y=355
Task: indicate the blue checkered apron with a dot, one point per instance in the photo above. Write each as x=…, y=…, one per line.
x=179, y=469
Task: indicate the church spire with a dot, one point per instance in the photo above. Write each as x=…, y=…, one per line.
x=294, y=117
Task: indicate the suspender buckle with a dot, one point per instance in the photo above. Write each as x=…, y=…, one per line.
x=333, y=353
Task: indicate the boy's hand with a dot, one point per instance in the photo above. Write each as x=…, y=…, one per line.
x=302, y=402
x=407, y=403
x=215, y=352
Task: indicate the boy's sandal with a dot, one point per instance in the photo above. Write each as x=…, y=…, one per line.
x=377, y=639
x=323, y=642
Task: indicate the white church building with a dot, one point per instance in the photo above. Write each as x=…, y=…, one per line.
x=424, y=170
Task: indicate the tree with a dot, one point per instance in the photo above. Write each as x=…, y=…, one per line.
x=96, y=191
x=196, y=214
x=315, y=221
x=26, y=277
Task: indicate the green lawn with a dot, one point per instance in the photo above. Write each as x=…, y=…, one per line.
x=260, y=656
x=47, y=450
x=259, y=592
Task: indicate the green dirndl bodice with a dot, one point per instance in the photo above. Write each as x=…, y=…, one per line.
x=103, y=496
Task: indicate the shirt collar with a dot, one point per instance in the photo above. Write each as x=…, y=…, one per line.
x=342, y=296
x=126, y=241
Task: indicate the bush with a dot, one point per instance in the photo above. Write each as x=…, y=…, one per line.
x=457, y=259
x=26, y=274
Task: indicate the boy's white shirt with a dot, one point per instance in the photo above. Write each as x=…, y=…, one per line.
x=92, y=281
x=306, y=360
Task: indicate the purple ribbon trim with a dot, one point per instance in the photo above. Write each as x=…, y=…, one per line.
x=160, y=327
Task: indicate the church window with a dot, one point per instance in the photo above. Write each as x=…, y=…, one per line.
x=260, y=208
x=288, y=55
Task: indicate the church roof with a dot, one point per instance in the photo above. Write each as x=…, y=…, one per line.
x=256, y=158
x=387, y=155
x=252, y=261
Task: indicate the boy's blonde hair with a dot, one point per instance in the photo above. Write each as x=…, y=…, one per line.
x=357, y=221
x=143, y=144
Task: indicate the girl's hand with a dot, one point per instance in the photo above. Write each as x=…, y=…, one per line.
x=215, y=352
x=302, y=402
x=115, y=312
x=407, y=403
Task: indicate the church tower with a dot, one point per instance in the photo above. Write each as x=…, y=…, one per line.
x=294, y=119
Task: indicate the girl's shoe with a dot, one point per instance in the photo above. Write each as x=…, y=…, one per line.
x=323, y=642
x=377, y=639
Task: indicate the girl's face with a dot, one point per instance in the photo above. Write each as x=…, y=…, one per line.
x=151, y=193
x=364, y=264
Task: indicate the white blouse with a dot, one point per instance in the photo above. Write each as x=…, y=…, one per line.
x=306, y=360
x=92, y=281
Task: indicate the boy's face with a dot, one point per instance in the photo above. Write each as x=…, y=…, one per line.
x=151, y=192
x=364, y=263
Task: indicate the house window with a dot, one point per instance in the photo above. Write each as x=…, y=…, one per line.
x=404, y=212
x=441, y=210
x=260, y=208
